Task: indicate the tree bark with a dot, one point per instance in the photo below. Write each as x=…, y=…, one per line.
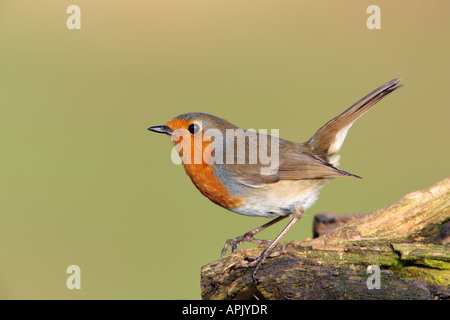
x=397, y=252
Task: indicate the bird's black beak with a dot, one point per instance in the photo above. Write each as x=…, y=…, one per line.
x=161, y=129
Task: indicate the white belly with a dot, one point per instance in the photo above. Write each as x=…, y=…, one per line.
x=280, y=198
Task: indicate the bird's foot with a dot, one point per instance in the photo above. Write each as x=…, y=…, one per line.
x=257, y=262
x=235, y=242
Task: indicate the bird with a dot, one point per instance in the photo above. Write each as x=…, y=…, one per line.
x=285, y=188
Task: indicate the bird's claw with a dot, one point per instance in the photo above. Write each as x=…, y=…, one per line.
x=235, y=242
x=257, y=262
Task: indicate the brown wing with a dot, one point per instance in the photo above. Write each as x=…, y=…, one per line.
x=299, y=166
x=294, y=164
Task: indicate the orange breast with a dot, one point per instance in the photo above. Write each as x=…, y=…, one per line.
x=209, y=185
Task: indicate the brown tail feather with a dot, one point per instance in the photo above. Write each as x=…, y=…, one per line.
x=328, y=139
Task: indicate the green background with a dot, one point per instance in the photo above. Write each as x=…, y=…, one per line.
x=83, y=182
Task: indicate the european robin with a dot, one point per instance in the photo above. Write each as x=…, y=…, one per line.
x=286, y=188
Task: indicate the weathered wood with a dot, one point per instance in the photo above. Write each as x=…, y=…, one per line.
x=404, y=240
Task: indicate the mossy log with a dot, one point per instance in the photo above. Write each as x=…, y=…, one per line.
x=401, y=247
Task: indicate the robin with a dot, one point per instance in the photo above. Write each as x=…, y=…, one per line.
x=287, y=189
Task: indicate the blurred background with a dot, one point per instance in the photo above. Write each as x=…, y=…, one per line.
x=83, y=182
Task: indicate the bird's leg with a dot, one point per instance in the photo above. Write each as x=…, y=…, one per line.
x=256, y=262
x=235, y=242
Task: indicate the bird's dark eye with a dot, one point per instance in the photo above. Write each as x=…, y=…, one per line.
x=194, y=128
